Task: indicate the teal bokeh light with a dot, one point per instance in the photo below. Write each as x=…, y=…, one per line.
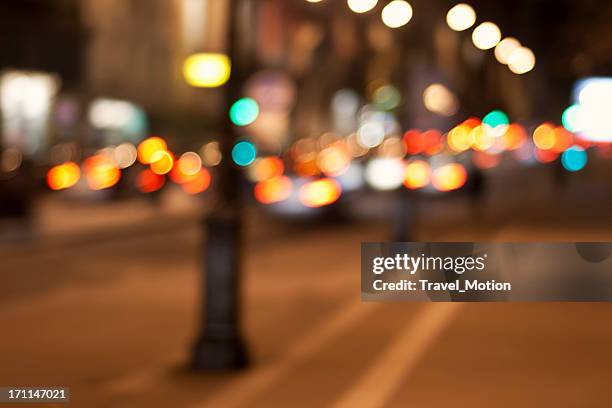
x=574, y=158
x=244, y=112
x=496, y=118
x=244, y=153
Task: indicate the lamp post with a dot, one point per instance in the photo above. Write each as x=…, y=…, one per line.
x=220, y=344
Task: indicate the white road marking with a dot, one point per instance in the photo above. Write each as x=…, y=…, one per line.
x=380, y=381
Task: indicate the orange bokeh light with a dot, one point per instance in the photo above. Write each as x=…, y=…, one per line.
x=334, y=160
x=320, y=192
x=514, y=138
x=63, y=176
x=148, y=147
x=162, y=162
x=546, y=156
x=189, y=163
x=148, y=181
x=267, y=168
x=273, y=190
x=563, y=140
x=101, y=172
x=417, y=175
x=449, y=177
x=544, y=136
x=198, y=183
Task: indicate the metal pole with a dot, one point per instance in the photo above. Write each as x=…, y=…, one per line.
x=220, y=344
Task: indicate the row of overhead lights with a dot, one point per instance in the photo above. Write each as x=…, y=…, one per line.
x=394, y=15
x=487, y=35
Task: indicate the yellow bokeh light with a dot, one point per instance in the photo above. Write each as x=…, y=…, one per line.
x=320, y=192
x=461, y=17
x=521, y=61
x=459, y=138
x=148, y=147
x=417, y=174
x=449, y=177
x=397, y=13
x=505, y=48
x=207, y=70
x=481, y=140
x=486, y=36
x=361, y=6
x=161, y=162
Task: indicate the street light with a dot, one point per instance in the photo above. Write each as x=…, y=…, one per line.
x=207, y=70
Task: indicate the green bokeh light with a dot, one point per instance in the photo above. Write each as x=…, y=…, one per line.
x=244, y=112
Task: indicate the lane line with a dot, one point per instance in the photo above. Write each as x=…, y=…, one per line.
x=377, y=385
x=240, y=391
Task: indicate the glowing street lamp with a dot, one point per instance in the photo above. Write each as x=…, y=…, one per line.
x=207, y=70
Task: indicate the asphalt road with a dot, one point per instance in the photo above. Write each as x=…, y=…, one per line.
x=113, y=316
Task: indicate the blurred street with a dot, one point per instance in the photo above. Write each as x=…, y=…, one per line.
x=185, y=186
x=130, y=290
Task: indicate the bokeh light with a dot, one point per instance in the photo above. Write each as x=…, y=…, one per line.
x=458, y=138
x=189, y=163
x=63, y=176
x=514, y=138
x=397, y=13
x=521, y=61
x=334, y=160
x=544, y=136
x=266, y=168
x=211, y=154
x=417, y=174
x=244, y=153
x=572, y=118
x=101, y=172
x=161, y=162
x=505, y=48
x=207, y=70
x=449, y=177
x=387, y=97
x=320, y=192
x=574, y=158
x=486, y=36
x=244, y=112
x=371, y=134
x=384, y=173
x=361, y=6
x=148, y=181
x=148, y=147
x=125, y=155
x=273, y=190
x=461, y=17
x=439, y=99
x=198, y=183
